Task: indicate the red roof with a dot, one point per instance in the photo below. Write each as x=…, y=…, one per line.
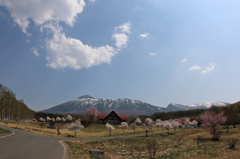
x=123, y=117
x=103, y=116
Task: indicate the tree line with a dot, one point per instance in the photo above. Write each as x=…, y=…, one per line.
x=174, y=114
x=11, y=108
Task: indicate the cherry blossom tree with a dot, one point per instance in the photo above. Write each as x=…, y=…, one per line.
x=148, y=121
x=187, y=122
x=76, y=126
x=63, y=119
x=34, y=119
x=48, y=119
x=212, y=121
x=58, y=119
x=123, y=126
x=167, y=125
x=133, y=126
x=69, y=118
x=53, y=120
x=144, y=126
x=91, y=113
x=41, y=119
x=158, y=125
x=158, y=121
x=175, y=125
x=138, y=121
x=110, y=128
x=194, y=123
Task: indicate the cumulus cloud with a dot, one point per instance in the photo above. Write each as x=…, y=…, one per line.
x=34, y=51
x=143, y=35
x=120, y=36
x=209, y=68
x=43, y=11
x=63, y=51
x=184, y=60
x=154, y=53
x=27, y=41
x=92, y=0
x=195, y=67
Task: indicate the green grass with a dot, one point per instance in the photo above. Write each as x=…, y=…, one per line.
x=4, y=132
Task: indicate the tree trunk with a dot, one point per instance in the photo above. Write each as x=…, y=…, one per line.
x=234, y=125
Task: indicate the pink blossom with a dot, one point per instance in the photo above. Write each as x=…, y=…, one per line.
x=91, y=113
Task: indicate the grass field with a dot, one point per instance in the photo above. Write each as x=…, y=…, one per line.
x=94, y=130
x=182, y=144
x=4, y=132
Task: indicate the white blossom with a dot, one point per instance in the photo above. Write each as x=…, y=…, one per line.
x=48, y=119
x=75, y=126
x=109, y=127
x=58, y=119
x=175, y=125
x=69, y=118
x=138, y=121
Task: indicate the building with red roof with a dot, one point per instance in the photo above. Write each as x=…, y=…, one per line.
x=112, y=118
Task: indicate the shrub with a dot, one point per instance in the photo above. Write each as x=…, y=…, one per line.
x=152, y=147
x=232, y=142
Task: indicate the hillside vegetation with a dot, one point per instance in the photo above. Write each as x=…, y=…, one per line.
x=11, y=108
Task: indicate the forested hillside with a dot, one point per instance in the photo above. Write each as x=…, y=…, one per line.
x=174, y=114
x=11, y=108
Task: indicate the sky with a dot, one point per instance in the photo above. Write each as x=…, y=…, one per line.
x=155, y=51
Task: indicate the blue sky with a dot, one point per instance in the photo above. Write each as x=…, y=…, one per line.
x=155, y=51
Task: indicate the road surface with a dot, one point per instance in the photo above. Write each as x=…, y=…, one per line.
x=25, y=145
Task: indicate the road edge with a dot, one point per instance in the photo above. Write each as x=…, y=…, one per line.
x=11, y=133
x=65, y=147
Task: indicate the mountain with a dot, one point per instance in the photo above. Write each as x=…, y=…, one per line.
x=122, y=106
x=176, y=107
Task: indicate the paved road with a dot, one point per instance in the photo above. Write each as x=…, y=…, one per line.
x=24, y=145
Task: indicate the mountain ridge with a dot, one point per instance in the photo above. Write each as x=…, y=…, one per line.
x=122, y=106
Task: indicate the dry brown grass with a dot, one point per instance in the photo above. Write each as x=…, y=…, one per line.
x=94, y=130
x=180, y=145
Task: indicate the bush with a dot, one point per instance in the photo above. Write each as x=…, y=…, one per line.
x=152, y=147
x=232, y=142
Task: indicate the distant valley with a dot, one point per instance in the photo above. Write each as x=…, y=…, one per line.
x=122, y=106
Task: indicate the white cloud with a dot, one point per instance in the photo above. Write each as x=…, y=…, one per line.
x=34, y=50
x=209, y=68
x=64, y=52
x=92, y=0
x=27, y=41
x=119, y=35
x=121, y=39
x=184, y=60
x=154, y=53
x=43, y=11
x=143, y=35
x=125, y=28
x=194, y=68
